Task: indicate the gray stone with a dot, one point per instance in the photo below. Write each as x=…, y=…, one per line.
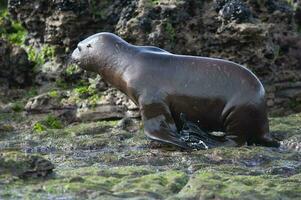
x=16, y=69
x=101, y=112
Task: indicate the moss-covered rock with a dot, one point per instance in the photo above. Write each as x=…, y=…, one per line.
x=212, y=184
x=24, y=166
x=16, y=70
x=104, y=160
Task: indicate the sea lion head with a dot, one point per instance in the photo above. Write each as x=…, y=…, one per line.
x=93, y=53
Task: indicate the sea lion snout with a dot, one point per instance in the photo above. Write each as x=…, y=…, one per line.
x=75, y=56
x=86, y=55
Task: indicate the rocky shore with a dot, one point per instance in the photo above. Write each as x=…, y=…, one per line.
x=66, y=134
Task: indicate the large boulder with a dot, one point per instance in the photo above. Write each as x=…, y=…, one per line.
x=62, y=23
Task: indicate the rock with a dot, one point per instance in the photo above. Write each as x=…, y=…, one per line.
x=16, y=70
x=279, y=135
x=262, y=35
x=276, y=5
x=293, y=143
x=101, y=112
x=6, y=127
x=48, y=71
x=290, y=92
x=298, y=14
x=127, y=124
x=285, y=170
x=98, y=84
x=47, y=102
x=43, y=102
x=233, y=10
x=62, y=23
x=25, y=166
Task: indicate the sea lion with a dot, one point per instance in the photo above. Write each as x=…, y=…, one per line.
x=215, y=94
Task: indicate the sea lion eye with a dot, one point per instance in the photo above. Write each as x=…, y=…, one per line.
x=89, y=46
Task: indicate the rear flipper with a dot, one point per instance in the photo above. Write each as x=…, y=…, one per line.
x=199, y=139
x=264, y=141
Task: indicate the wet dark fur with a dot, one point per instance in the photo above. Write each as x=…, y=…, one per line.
x=215, y=94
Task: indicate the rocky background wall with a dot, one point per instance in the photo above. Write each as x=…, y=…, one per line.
x=66, y=134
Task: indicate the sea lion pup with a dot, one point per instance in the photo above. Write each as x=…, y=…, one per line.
x=215, y=94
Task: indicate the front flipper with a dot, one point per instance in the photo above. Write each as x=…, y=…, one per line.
x=159, y=124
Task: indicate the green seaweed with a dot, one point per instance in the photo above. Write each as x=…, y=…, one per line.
x=95, y=160
x=42, y=55
x=39, y=127
x=72, y=69
x=15, y=33
x=155, y=2
x=54, y=94
x=211, y=184
x=50, y=122
x=18, y=106
x=170, y=31
x=98, y=9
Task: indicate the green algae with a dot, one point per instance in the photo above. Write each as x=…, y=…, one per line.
x=289, y=124
x=72, y=69
x=15, y=33
x=155, y=2
x=42, y=55
x=18, y=106
x=98, y=160
x=20, y=164
x=212, y=184
x=50, y=122
x=99, y=13
x=90, y=128
x=161, y=183
x=11, y=116
x=54, y=93
x=170, y=31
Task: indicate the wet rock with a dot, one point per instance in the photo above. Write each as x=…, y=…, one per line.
x=293, y=143
x=48, y=71
x=113, y=96
x=233, y=10
x=40, y=149
x=63, y=23
x=16, y=70
x=276, y=5
x=98, y=84
x=100, y=160
x=279, y=135
x=208, y=185
x=101, y=112
x=298, y=14
x=125, y=123
x=44, y=103
x=68, y=115
x=284, y=170
x=6, y=127
x=25, y=166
